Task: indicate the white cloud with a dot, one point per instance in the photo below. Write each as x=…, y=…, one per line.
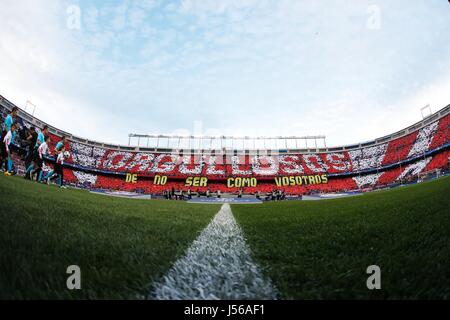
x=242, y=67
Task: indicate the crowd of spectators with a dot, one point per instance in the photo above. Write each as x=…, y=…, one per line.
x=90, y=165
x=178, y=166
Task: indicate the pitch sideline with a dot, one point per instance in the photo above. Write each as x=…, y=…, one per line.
x=218, y=265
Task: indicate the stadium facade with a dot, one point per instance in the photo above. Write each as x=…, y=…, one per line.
x=386, y=161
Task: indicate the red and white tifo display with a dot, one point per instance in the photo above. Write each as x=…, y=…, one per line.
x=394, y=161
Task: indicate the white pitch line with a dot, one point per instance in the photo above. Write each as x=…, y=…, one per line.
x=218, y=265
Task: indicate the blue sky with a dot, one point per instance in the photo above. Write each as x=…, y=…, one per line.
x=352, y=70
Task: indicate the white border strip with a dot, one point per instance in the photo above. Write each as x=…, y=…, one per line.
x=218, y=265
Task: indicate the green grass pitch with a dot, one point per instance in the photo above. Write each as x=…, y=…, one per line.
x=121, y=245
x=317, y=249
x=321, y=249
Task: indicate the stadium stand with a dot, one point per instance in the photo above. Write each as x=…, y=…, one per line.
x=386, y=161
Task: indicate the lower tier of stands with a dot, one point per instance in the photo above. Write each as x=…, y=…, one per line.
x=397, y=175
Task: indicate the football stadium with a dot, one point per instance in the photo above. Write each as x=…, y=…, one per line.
x=137, y=219
x=220, y=216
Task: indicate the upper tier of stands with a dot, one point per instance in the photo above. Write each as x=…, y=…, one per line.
x=6, y=105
